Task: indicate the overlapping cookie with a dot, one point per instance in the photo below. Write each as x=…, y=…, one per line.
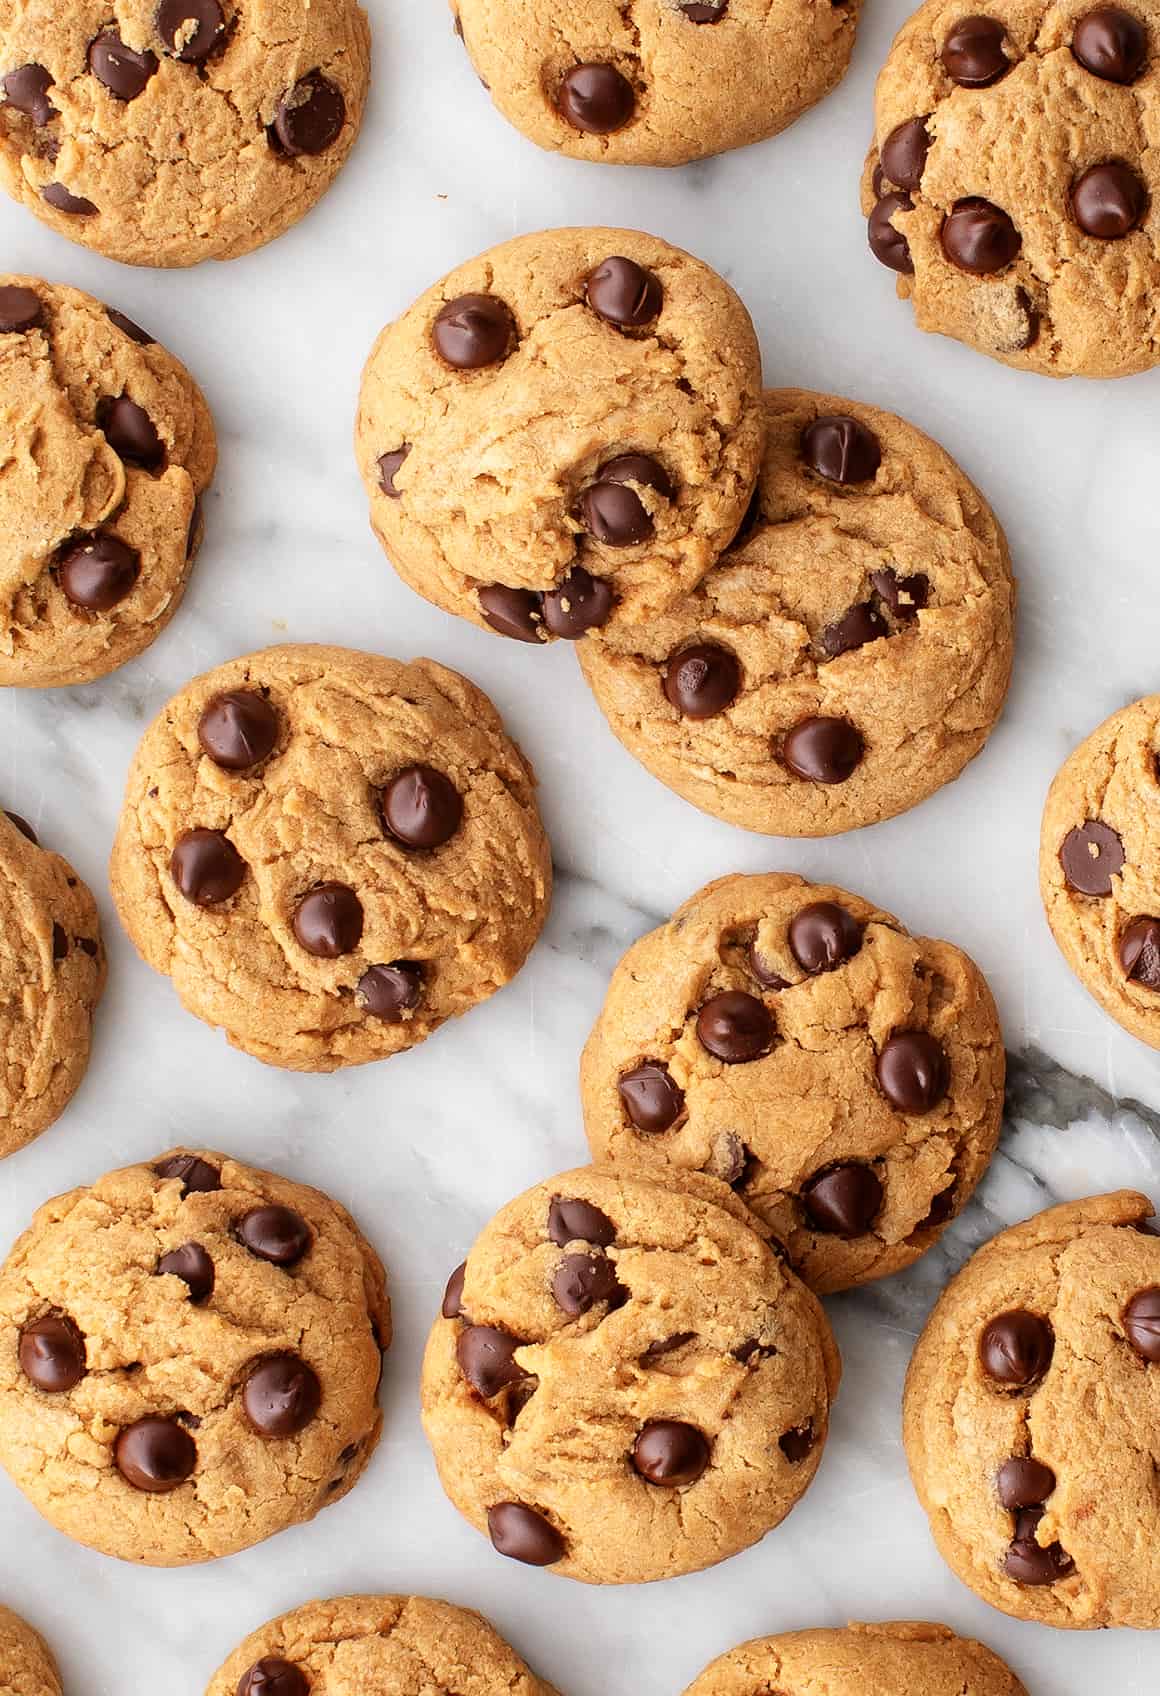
x=902, y=1658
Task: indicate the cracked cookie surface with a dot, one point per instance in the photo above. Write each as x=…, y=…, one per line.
x=850, y=652
x=26, y=1664
x=52, y=972
x=109, y=445
x=793, y=1041
x=1031, y=1415
x=407, y=1645
x=189, y=1358
x=1014, y=180
x=655, y=82
x=626, y=1383
x=896, y=1658
x=565, y=430
x=330, y=853
x=164, y=134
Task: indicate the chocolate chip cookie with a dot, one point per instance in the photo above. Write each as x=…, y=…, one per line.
x=656, y=82
x=851, y=651
x=110, y=447
x=26, y=1664
x=403, y=1644
x=1032, y=1417
x=189, y=1358
x=902, y=1658
x=52, y=972
x=1099, y=866
x=167, y=133
x=330, y=853
x=563, y=432
x=625, y=1383
x=1013, y=180
x=794, y=1042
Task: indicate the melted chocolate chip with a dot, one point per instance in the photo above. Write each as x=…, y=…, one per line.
x=421, y=808
x=389, y=466
x=904, y=153
x=913, y=1071
x=155, y=1455
x=518, y=613
x=888, y=245
x=193, y=1266
x=272, y=1676
x=1139, y=951
x=452, y=1305
x=390, y=992
x=524, y=1535
x=197, y=1175
x=596, y=99
x=612, y=511
x=1024, y=1483
x=59, y=197
x=795, y=1445
x=823, y=750
x=823, y=935
x=844, y=1199
x=1015, y=1348
x=97, y=571
x=20, y=309
x=238, y=729
x=670, y=1452
x=651, y=1099
x=52, y=1353
x=703, y=680
x=571, y=1220
x=624, y=293
x=281, y=1395
x=1091, y=855
x=124, y=72
x=26, y=89
x=1142, y=1323
x=1109, y=201
x=581, y=603
x=310, y=117
x=328, y=921
x=1027, y=1562
x=736, y=1027
x=841, y=449
x=190, y=29
x=978, y=237
x=1111, y=44
x=130, y=432
x=486, y=1357
x=127, y=327
x=972, y=53
x=905, y=596
x=860, y=624
x=584, y=1280
x=275, y=1233
x=206, y=867
x=473, y=331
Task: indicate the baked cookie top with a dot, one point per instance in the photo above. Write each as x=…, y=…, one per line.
x=26, y=1665
x=851, y=651
x=330, y=853
x=189, y=1358
x=1032, y=1413
x=564, y=431
x=657, y=82
x=796, y=1043
x=899, y=1658
x=625, y=1383
x=407, y=1645
x=167, y=133
x=110, y=445
x=1014, y=180
x=1099, y=865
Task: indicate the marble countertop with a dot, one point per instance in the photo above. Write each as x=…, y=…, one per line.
x=424, y=1148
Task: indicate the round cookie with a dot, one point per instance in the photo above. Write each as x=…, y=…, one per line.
x=330, y=853
x=564, y=431
x=111, y=447
x=851, y=651
x=793, y=1041
x=167, y=133
x=189, y=1358
x=1099, y=866
x=1031, y=1417
x=626, y=1383
x=1014, y=182
x=651, y=84
x=403, y=1644
x=52, y=972
x=901, y=1658
x=26, y=1664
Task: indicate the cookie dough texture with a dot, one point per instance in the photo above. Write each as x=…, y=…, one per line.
x=66, y=485
x=26, y=1665
x=682, y=1313
x=704, y=78
x=52, y=972
x=496, y=460
x=405, y=1645
x=900, y=1658
x=1091, y=1415
x=1068, y=303
x=1111, y=781
x=151, y=1350
x=460, y=917
x=812, y=1104
x=186, y=162
x=923, y=682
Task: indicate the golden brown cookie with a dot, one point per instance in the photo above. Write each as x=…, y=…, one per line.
x=401, y=1645
x=1099, y=866
x=164, y=132
x=189, y=1358
x=330, y=853
x=626, y=1383
x=658, y=82
x=1032, y=1417
x=110, y=446
x=564, y=431
x=794, y=1042
x=851, y=651
x=1014, y=178
x=26, y=1664
x=902, y=1658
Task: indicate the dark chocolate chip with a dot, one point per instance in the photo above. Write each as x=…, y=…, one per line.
x=130, y=432
x=193, y=1266
x=388, y=992
x=823, y=935
x=736, y=1027
x=197, y=1175
x=452, y=1307
x=275, y=1233
x=841, y=449
x=1142, y=1323
x=281, y=1395
x=596, y=99
x=96, y=572
x=1140, y=951
x=1015, y=1348
x=421, y=808
x=939, y=1210
x=639, y=468
x=1024, y=1483
x=666, y=1345
x=651, y=1099
x=59, y=944
x=624, y=293
x=155, y=1455
x=474, y=330
x=795, y=1445
x=905, y=596
x=1109, y=201
x=1091, y=855
x=615, y=515
x=52, y=1353
x=978, y=237
x=128, y=328
x=328, y=922
x=581, y=603
x=1111, y=43
x=272, y=1676
x=389, y=464
x=310, y=117
x=238, y=729
x=59, y=197
x=913, y=1071
x=972, y=52
x=571, y=1220
x=89, y=946
x=120, y=69
x=584, y=1280
x=524, y=1535
x=904, y=153
x=844, y=1199
x=486, y=1357
x=670, y=1452
x=766, y=974
x=518, y=613
x=27, y=89
x=1027, y=1562
x=860, y=624
x=190, y=29
x=206, y=867
x=20, y=309
x=823, y=750
x=704, y=11
x=703, y=680
x=888, y=245
x=23, y=827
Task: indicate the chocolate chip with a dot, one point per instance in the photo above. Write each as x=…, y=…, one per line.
x=736, y=1027
x=387, y=992
x=888, y=245
x=421, y=808
x=197, y=1175
x=310, y=117
x=1091, y=855
x=154, y=1455
x=615, y=515
x=27, y=89
x=571, y=1220
x=97, y=571
x=389, y=464
x=795, y=1445
x=822, y=935
x=904, y=153
x=206, y=867
x=328, y=922
x=87, y=944
x=59, y=944
x=1024, y=1483
x=1016, y=1348
x=978, y=237
x=238, y=729
x=1111, y=43
x=702, y=681
x=1026, y=1562
x=939, y=1210
x=582, y=1281
x=581, y=603
x=1140, y=952
x=193, y=1266
x=972, y=53
x=670, y=1452
x=666, y=1345
x=651, y=1099
x=639, y=468
x=822, y=750
x=23, y=827
x=518, y=613
x=59, y=197
x=474, y=330
x=1142, y=1323
x=281, y=1395
x=861, y=624
x=913, y=1071
x=452, y=1307
x=766, y=973
x=624, y=293
x=52, y=1353
x=272, y=1676
x=1109, y=201
x=275, y=1233
x=844, y=1199
x=486, y=1357
x=20, y=309
x=704, y=11
x=524, y=1535
x=905, y=596
x=128, y=328
x=596, y=99
x=130, y=432
x=190, y=29
x=120, y=69
x=843, y=450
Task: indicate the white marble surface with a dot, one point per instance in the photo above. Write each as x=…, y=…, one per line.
x=426, y=1147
